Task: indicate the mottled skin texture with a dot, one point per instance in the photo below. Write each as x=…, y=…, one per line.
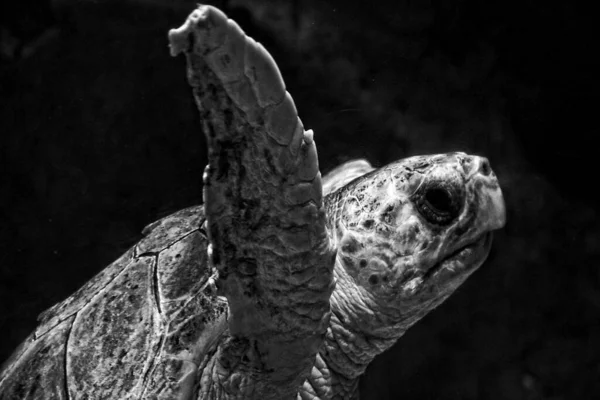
x=282, y=285
x=394, y=263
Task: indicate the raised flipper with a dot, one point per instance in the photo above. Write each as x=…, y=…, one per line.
x=264, y=209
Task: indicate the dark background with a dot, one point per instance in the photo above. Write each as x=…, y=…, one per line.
x=99, y=136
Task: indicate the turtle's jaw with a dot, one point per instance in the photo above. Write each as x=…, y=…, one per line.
x=449, y=272
x=464, y=259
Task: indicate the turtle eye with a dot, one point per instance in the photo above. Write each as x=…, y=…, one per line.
x=439, y=202
x=439, y=199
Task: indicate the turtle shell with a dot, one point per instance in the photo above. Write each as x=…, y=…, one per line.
x=145, y=326
x=141, y=327
x=344, y=174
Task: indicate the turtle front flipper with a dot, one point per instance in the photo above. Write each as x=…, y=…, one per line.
x=264, y=211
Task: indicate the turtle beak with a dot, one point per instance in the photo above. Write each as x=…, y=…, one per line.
x=496, y=209
x=492, y=201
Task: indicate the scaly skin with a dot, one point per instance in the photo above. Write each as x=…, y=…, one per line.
x=264, y=211
x=394, y=265
x=152, y=326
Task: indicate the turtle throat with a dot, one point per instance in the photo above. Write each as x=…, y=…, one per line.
x=358, y=330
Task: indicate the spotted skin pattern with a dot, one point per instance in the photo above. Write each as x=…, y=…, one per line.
x=394, y=265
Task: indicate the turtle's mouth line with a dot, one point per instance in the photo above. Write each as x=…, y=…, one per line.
x=469, y=255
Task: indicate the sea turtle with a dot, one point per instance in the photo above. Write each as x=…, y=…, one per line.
x=282, y=285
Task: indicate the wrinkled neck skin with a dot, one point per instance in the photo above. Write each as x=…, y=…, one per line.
x=361, y=327
x=359, y=330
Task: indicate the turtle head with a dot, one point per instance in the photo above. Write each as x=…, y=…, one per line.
x=410, y=233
